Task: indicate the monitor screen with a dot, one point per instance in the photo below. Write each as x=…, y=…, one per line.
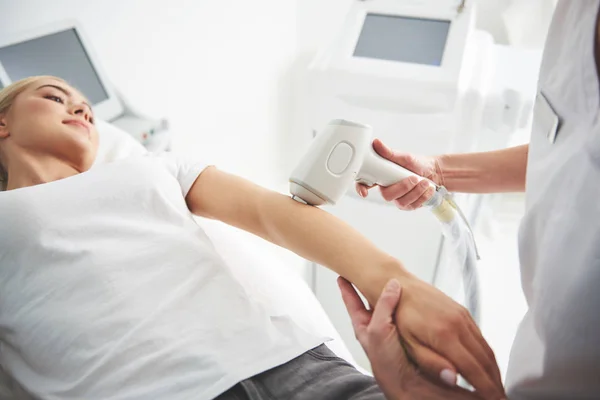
x=404, y=39
x=60, y=54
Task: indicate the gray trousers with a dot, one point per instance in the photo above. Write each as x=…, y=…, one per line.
x=317, y=374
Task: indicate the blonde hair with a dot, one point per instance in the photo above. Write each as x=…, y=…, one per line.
x=7, y=98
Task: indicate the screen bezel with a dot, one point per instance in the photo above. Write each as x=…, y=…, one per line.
x=108, y=109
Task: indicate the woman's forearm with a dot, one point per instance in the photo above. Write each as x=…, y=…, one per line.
x=320, y=237
x=305, y=230
x=488, y=172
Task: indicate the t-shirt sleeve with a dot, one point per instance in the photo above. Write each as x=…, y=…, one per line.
x=185, y=170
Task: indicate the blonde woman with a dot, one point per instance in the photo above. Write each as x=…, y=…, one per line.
x=110, y=290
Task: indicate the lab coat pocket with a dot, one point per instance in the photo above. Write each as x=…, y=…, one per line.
x=546, y=120
x=544, y=130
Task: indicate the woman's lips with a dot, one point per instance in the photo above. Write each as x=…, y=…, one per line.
x=78, y=123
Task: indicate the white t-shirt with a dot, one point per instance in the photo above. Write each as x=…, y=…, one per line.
x=556, y=354
x=109, y=289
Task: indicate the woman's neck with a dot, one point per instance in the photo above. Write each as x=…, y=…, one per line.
x=30, y=171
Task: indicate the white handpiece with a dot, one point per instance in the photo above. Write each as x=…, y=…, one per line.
x=342, y=154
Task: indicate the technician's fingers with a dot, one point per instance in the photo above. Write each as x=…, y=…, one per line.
x=427, y=194
x=478, y=346
x=405, y=200
x=432, y=364
x=405, y=160
x=359, y=315
x=483, y=382
x=382, y=319
x=363, y=190
x=400, y=189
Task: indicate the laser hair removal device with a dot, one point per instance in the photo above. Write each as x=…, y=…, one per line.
x=343, y=154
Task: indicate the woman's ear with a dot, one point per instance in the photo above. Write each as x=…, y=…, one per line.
x=3, y=128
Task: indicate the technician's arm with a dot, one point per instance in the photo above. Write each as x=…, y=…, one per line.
x=488, y=172
x=320, y=237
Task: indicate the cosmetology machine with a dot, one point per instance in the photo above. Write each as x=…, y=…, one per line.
x=424, y=80
x=63, y=50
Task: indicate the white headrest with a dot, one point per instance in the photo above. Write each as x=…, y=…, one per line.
x=115, y=144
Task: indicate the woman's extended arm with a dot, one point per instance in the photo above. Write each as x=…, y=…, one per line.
x=320, y=237
x=308, y=231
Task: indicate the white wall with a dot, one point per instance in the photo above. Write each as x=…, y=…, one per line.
x=217, y=69
x=316, y=22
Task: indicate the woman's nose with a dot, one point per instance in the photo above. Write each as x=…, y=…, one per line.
x=81, y=110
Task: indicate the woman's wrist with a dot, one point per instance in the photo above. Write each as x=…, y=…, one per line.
x=374, y=280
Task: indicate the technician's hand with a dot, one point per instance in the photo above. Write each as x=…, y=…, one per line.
x=377, y=334
x=410, y=193
x=441, y=338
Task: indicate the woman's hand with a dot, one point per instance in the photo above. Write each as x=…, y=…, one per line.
x=409, y=193
x=377, y=334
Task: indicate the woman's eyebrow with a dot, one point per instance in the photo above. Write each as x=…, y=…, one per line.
x=65, y=91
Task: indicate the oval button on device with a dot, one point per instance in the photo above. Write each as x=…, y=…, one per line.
x=340, y=158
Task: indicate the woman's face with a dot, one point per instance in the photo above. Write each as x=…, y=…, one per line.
x=50, y=118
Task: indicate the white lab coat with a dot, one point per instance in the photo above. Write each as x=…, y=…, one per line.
x=556, y=354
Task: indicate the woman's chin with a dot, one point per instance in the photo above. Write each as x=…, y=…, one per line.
x=80, y=153
x=87, y=160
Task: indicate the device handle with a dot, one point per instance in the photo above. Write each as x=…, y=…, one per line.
x=380, y=171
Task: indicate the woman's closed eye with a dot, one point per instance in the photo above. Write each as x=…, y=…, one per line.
x=60, y=100
x=57, y=99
